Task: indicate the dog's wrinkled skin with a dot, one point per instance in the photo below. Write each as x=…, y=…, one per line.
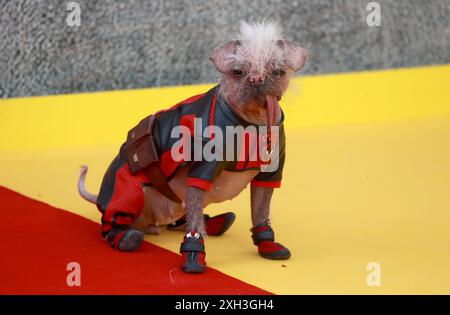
x=159, y=210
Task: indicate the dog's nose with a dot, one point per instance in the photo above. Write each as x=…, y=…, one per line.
x=256, y=80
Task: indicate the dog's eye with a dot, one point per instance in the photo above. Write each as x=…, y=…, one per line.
x=237, y=72
x=278, y=72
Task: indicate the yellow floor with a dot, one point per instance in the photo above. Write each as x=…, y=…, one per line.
x=367, y=177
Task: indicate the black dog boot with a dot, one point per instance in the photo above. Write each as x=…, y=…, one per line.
x=219, y=224
x=193, y=253
x=264, y=237
x=125, y=239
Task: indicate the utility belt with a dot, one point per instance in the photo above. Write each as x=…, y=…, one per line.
x=142, y=155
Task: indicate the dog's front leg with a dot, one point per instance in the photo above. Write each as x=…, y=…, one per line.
x=260, y=204
x=262, y=232
x=194, y=220
x=193, y=248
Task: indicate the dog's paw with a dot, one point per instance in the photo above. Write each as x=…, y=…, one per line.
x=153, y=230
x=131, y=240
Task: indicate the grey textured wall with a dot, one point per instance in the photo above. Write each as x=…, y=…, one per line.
x=143, y=43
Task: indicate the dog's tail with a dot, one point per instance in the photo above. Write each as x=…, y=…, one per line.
x=82, y=187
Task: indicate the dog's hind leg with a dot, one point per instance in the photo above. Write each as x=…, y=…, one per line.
x=121, y=200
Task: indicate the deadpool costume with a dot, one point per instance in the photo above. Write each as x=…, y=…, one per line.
x=121, y=198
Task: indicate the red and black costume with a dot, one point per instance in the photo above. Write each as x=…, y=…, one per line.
x=121, y=197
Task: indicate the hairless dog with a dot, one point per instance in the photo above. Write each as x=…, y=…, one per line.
x=254, y=70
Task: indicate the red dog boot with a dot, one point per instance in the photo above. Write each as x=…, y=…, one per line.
x=214, y=226
x=125, y=239
x=219, y=224
x=193, y=253
x=264, y=237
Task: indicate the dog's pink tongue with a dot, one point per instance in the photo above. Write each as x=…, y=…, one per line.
x=272, y=110
x=272, y=113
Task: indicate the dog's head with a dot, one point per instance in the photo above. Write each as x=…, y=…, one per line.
x=255, y=70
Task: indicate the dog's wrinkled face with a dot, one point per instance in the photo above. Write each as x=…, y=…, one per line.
x=256, y=68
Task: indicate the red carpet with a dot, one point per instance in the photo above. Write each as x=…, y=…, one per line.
x=40, y=240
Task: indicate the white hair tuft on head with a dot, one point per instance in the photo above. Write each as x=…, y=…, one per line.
x=259, y=33
x=258, y=43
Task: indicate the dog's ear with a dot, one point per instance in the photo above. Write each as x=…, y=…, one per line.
x=294, y=55
x=223, y=56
